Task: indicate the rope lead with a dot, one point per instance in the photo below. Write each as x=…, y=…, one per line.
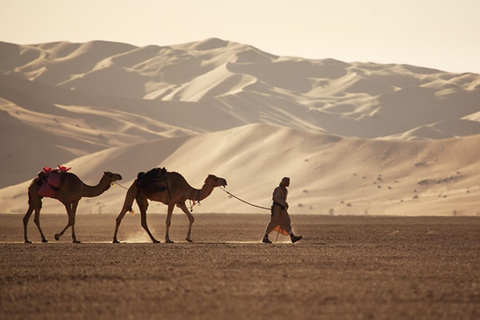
x=246, y=202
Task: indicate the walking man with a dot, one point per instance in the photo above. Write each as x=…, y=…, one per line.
x=280, y=220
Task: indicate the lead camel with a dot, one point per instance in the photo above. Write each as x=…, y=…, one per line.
x=169, y=188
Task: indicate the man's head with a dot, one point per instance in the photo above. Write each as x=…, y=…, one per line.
x=285, y=181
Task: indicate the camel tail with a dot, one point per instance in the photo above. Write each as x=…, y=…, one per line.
x=130, y=197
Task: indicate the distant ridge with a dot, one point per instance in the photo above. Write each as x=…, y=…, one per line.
x=349, y=99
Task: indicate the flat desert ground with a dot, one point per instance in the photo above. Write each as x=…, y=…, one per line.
x=346, y=267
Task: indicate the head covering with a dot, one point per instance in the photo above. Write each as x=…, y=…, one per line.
x=285, y=180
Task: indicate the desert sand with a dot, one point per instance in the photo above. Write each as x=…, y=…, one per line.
x=355, y=138
x=344, y=268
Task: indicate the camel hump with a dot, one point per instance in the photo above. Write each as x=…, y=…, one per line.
x=49, y=180
x=153, y=174
x=49, y=183
x=52, y=177
x=154, y=178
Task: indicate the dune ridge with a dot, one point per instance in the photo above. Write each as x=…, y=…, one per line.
x=356, y=138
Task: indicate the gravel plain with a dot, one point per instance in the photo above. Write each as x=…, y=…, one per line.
x=346, y=267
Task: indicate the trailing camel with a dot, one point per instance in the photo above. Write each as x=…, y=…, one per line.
x=171, y=189
x=70, y=190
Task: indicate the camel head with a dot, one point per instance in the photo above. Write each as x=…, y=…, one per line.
x=111, y=177
x=215, y=181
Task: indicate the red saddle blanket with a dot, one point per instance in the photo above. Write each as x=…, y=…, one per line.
x=50, y=180
x=46, y=190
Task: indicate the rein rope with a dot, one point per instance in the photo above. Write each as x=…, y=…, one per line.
x=114, y=184
x=246, y=202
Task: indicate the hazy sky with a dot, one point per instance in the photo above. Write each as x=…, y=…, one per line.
x=442, y=34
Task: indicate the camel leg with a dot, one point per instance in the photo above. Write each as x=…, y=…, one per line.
x=74, y=214
x=143, y=205
x=25, y=223
x=127, y=206
x=190, y=219
x=168, y=222
x=71, y=221
x=33, y=206
x=37, y=223
x=117, y=224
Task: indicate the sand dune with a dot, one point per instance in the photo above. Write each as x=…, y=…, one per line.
x=330, y=174
x=349, y=99
x=356, y=138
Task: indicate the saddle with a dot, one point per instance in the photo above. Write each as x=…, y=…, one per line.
x=153, y=180
x=50, y=180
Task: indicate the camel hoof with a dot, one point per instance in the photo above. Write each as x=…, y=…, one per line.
x=28, y=241
x=189, y=240
x=169, y=241
x=156, y=241
x=57, y=236
x=76, y=241
x=44, y=240
x=116, y=241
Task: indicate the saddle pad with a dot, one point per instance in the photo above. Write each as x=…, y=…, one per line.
x=46, y=190
x=54, y=180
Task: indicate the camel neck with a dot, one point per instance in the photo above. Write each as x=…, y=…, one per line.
x=94, y=191
x=200, y=194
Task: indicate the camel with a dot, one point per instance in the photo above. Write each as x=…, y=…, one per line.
x=70, y=191
x=169, y=188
